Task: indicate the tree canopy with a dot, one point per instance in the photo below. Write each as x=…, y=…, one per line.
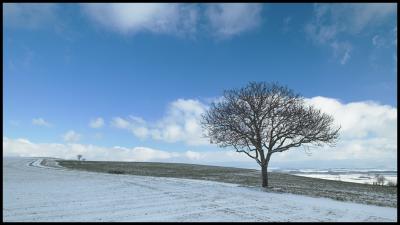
x=264, y=118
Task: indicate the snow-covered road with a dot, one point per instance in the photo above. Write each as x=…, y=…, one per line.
x=34, y=193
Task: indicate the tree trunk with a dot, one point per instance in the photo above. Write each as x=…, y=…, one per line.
x=264, y=170
x=264, y=175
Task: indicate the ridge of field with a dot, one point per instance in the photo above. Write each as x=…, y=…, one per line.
x=280, y=182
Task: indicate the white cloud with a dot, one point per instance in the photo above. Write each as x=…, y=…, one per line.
x=229, y=19
x=180, y=124
x=96, y=123
x=28, y=15
x=71, y=136
x=361, y=120
x=136, y=125
x=368, y=132
x=120, y=123
x=331, y=21
x=40, y=122
x=386, y=39
x=137, y=17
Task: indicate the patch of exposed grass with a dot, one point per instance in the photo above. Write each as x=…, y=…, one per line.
x=339, y=190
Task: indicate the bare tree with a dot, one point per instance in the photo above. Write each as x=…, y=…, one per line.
x=380, y=179
x=265, y=118
x=79, y=157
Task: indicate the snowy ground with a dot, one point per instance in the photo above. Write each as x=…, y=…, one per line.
x=353, y=177
x=35, y=193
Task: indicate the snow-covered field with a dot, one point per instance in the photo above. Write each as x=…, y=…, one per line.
x=361, y=176
x=352, y=177
x=35, y=193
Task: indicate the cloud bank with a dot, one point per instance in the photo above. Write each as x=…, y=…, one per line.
x=26, y=148
x=368, y=138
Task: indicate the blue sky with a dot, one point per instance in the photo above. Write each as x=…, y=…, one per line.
x=144, y=70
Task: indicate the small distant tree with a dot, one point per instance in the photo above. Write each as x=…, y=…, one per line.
x=380, y=179
x=261, y=119
x=79, y=157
